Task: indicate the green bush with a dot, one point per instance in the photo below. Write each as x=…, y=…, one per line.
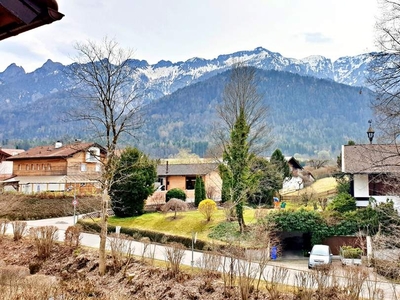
x=155, y=237
x=311, y=222
x=350, y=252
x=343, y=202
x=175, y=193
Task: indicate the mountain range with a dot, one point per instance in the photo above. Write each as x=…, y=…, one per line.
x=315, y=104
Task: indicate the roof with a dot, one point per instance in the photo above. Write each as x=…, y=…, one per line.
x=295, y=164
x=53, y=152
x=10, y=152
x=17, y=16
x=371, y=158
x=186, y=169
x=49, y=179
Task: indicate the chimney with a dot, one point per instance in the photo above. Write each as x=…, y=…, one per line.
x=58, y=145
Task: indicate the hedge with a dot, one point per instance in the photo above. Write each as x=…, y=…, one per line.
x=155, y=237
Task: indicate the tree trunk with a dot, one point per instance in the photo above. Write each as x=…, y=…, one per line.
x=239, y=214
x=103, y=232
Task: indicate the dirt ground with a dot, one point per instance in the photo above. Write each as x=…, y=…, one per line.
x=77, y=272
x=74, y=273
x=30, y=207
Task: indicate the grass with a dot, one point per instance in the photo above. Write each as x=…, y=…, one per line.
x=192, y=221
x=321, y=187
x=183, y=225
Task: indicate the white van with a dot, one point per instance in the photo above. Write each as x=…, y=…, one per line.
x=319, y=255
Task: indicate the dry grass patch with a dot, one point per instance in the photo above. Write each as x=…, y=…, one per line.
x=29, y=207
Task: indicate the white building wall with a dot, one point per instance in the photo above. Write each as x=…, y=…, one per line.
x=361, y=188
x=292, y=184
x=6, y=168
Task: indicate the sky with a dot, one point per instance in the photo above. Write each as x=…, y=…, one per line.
x=178, y=30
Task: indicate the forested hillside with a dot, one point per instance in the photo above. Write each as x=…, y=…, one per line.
x=307, y=115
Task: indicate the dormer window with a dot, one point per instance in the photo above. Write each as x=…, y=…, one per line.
x=93, y=154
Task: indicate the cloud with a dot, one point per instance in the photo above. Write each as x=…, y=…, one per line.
x=316, y=38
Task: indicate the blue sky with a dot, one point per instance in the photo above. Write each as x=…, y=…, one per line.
x=178, y=30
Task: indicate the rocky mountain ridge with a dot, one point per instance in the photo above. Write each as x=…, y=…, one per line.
x=31, y=104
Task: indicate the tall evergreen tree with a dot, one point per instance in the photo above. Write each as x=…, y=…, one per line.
x=239, y=180
x=197, y=191
x=270, y=181
x=133, y=182
x=243, y=116
x=280, y=163
x=203, y=189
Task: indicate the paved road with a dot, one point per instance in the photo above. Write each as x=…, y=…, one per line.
x=294, y=266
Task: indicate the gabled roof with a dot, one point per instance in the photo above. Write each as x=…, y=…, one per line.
x=55, y=152
x=17, y=16
x=10, y=152
x=186, y=169
x=295, y=164
x=371, y=158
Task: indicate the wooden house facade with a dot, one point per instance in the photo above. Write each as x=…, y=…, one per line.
x=58, y=167
x=375, y=172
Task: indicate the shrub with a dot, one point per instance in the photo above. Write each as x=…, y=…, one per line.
x=207, y=208
x=175, y=205
x=44, y=238
x=72, y=236
x=156, y=237
x=19, y=228
x=3, y=227
x=350, y=252
x=176, y=193
x=343, y=202
x=174, y=254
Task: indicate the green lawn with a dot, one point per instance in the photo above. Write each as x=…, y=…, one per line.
x=183, y=225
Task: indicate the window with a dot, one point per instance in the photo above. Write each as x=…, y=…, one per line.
x=190, y=181
x=27, y=167
x=93, y=154
x=49, y=167
x=98, y=167
x=32, y=167
x=83, y=167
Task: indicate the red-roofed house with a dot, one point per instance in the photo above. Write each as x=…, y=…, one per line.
x=57, y=167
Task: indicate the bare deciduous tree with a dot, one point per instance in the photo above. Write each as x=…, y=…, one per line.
x=385, y=69
x=241, y=92
x=109, y=105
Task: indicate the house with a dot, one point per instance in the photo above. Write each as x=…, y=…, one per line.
x=375, y=172
x=183, y=176
x=6, y=167
x=299, y=177
x=58, y=168
x=19, y=16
